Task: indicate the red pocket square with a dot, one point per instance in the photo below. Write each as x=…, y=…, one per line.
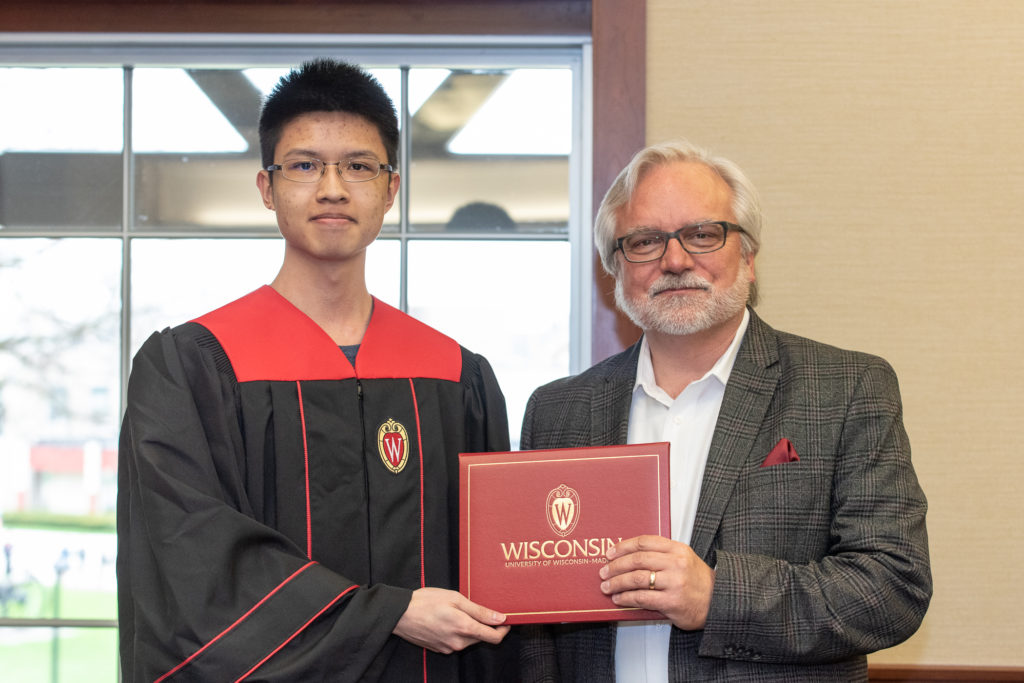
x=783, y=452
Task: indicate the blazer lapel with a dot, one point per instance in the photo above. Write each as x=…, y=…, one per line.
x=747, y=396
x=610, y=405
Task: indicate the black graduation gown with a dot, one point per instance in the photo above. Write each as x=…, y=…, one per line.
x=277, y=506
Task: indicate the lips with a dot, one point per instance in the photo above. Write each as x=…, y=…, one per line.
x=671, y=290
x=676, y=284
x=331, y=217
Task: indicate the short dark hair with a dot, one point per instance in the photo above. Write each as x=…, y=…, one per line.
x=333, y=86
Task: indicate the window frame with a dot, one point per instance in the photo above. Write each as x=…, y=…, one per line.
x=130, y=51
x=238, y=50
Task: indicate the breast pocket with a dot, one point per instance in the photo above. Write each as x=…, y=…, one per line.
x=780, y=511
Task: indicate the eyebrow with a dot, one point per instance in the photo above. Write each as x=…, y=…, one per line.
x=651, y=228
x=316, y=155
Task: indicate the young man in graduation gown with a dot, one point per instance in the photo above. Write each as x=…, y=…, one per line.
x=288, y=480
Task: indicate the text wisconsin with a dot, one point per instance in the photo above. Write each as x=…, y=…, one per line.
x=548, y=550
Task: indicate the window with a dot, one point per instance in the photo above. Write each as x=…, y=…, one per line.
x=128, y=204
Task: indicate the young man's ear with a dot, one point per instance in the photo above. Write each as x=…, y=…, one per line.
x=266, y=188
x=393, y=184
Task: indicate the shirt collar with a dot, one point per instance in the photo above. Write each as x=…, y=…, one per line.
x=720, y=370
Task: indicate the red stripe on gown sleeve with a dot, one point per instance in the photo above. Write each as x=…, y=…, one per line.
x=237, y=621
x=292, y=636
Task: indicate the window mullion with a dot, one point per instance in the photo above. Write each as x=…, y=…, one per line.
x=405, y=145
x=127, y=211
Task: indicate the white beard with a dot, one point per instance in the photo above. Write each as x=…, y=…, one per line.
x=689, y=313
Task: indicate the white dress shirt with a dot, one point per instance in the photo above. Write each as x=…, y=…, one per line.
x=688, y=423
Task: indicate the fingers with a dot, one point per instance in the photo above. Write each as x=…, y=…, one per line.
x=639, y=566
x=445, y=621
x=656, y=573
x=479, y=613
x=494, y=635
x=638, y=557
x=484, y=623
x=641, y=544
x=636, y=580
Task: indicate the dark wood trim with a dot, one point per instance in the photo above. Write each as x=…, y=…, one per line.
x=909, y=673
x=415, y=17
x=619, y=34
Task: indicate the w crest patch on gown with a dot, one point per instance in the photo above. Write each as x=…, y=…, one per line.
x=393, y=445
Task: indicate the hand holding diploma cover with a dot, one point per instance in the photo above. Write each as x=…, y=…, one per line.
x=535, y=527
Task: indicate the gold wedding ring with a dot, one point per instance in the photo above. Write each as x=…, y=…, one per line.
x=654, y=575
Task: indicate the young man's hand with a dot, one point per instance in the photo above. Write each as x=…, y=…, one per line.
x=445, y=621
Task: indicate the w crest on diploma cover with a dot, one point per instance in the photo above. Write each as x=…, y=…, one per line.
x=393, y=445
x=563, y=509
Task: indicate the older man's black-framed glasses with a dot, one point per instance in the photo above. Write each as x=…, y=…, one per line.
x=643, y=246
x=309, y=170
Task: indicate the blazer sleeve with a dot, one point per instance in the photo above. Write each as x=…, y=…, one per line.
x=870, y=588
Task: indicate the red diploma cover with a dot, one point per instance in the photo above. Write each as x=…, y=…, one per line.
x=534, y=527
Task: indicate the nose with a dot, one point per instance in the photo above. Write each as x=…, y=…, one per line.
x=676, y=259
x=331, y=186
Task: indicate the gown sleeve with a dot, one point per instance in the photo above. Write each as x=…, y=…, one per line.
x=205, y=590
x=486, y=415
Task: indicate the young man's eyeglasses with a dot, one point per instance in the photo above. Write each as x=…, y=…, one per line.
x=309, y=170
x=643, y=246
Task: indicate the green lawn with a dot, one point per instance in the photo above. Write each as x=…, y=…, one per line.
x=81, y=654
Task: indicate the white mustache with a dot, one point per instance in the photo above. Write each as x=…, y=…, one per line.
x=669, y=281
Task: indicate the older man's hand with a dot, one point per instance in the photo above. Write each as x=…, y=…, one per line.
x=660, y=574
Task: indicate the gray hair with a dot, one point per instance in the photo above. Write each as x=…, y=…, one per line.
x=746, y=203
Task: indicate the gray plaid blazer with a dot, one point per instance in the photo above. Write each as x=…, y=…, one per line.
x=818, y=561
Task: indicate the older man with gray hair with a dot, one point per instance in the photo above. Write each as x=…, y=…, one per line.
x=798, y=538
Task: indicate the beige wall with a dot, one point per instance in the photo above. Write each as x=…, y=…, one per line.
x=886, y=138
